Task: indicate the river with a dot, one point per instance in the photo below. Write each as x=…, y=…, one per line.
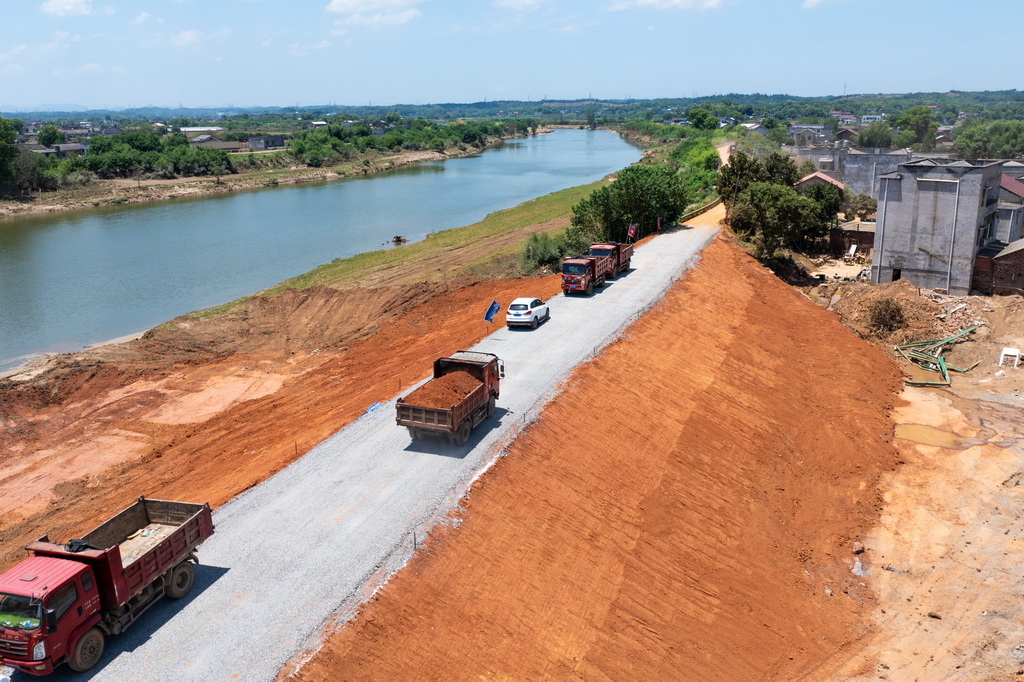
x=71, y=280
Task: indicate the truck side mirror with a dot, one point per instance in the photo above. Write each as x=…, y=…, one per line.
x=501, y=369
x=51, y=620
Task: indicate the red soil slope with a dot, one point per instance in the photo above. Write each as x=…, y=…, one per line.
x=686, y=508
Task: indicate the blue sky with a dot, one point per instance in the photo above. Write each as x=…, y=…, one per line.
x=123, y=53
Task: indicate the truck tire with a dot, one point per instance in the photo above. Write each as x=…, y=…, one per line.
x=614, y=273
x=462, y=435
x=590, y=288
x=88, y=651
x=490, y=405
x=600, y=282
x=183, y=577
x=625, y=267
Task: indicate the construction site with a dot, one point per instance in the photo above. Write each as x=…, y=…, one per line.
x=740, y=486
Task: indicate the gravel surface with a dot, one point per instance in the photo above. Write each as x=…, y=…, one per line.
x=314, y=541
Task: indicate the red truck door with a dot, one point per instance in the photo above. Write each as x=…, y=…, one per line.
x=76, y=608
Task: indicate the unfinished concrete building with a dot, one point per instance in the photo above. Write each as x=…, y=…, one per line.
x=933, y=218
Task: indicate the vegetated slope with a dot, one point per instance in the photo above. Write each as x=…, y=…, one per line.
x=685, y=509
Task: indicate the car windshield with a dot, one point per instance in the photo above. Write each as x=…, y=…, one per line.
x=18, y=612
x=517, y=306
x=574, y=269
x=600, y=252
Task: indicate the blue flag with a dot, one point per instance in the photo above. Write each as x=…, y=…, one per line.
x=492, y=311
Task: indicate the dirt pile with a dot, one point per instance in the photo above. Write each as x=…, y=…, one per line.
x=444, y=391
x=83, y=440
x=688, y=507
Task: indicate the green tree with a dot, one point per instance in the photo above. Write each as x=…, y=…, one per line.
x=829, y=200
x=702, y=119
x=8, y=151
x=591, y=118
x=773, y=216
x=49, y=136
x=862, y=206
x=877, y=134
x=738, y=174
x=641, y=196
x=918, y=120
x=781, y=169
x=807, y=167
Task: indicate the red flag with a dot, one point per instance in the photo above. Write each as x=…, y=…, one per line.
x=632, y=231
x=659, y=224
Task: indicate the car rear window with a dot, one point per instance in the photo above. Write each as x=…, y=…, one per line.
x=517, y=306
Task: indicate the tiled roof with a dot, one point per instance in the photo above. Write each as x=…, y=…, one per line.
x=1012, y=186
x=821, y=176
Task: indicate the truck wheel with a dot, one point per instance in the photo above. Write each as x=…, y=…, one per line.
x=590, y=288
x=600, y=281
x=88, y=651
x=625, y=267
x=490, y=406
x=614, y=273
x=182, y=578
x=462, y=437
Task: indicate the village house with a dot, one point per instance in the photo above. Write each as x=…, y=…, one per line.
x=934, y=218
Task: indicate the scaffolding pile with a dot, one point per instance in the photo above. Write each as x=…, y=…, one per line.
x=928, y=356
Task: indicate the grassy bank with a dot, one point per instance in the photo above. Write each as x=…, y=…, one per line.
x=487, y=249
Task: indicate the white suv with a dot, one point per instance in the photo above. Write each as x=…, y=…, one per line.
x=527, y=311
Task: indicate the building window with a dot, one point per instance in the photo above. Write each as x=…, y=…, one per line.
x=896, y=274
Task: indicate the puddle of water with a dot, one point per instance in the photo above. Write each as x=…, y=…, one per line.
x=929, y=435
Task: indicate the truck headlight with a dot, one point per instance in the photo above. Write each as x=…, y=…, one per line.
x=39, y=651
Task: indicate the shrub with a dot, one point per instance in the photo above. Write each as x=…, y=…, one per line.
x=540, y=251
x=886, y=316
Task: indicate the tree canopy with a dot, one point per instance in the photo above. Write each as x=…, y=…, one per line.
x=640, y=195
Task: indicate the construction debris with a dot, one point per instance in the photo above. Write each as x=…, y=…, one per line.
x=928, y=356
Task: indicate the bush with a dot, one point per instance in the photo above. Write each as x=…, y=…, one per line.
x=540, y=251
x=886, y=316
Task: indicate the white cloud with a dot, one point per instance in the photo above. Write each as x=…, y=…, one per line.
x=811, y=4
x=67, y=7
x=89, y=68
x=301, y=50
x=519, y=4
x=63, y=8
x=570, y=29
x=382, y=18
x=668, y=4
x=186, y=37
x=146, y=18
x=267, y=43
x=11, y=68
x=374, y=12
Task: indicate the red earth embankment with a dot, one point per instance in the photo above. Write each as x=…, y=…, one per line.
x=686, y=508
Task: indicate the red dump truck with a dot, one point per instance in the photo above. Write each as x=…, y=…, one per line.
x=58, y=605
x=583, y=273
x=620, y=254
x=461, y=395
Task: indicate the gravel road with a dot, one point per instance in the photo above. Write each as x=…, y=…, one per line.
x=314, y=541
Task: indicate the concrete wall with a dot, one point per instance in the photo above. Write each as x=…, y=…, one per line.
x=928, y=223
x=861, y=170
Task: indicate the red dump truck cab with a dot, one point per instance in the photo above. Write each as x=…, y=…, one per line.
x=454, y=411
x=60, y=604
x=620, y=254
x=583, y=273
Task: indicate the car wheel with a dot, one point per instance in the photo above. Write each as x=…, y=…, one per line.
x=547, y=315
x=533, y=323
